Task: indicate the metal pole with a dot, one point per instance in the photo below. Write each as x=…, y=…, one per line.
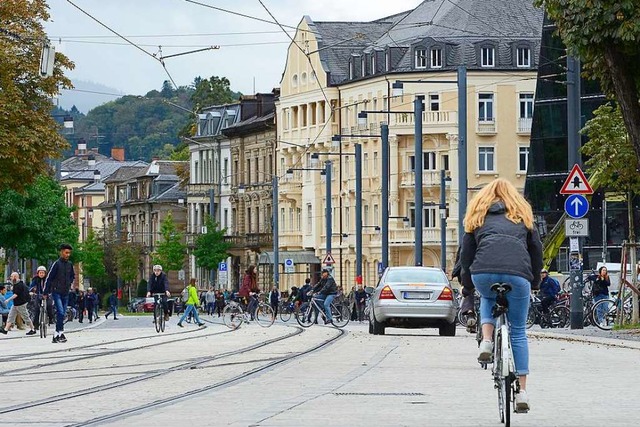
x=358, y=149
x=384, y=227
x=328, y=204
x=462, y=149
x=417, y=113
x=604, y=226
x=443, y=221
x=275, y=226
x=573, y=146
x=212, y=272
x=118, y=233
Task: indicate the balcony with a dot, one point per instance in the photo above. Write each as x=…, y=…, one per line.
x=201, y=190
x=429, y=179
x=290, y=240
x=430, y=236
x=486, y=127
x=432, y=121
x=250, y=241
x=524, y=125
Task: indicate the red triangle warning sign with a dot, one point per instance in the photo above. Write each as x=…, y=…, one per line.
x=576, y=182
x=329, y=259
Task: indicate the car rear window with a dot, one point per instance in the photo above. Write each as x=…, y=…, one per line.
x=416, y=276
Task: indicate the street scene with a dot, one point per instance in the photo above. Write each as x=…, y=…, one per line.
x=319, y=213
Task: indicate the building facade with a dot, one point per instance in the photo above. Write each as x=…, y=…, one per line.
x=351, y=68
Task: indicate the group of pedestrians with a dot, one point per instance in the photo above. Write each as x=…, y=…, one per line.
x=214, y=301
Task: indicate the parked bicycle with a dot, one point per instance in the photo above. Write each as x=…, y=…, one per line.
x=235, y=314
x=557, y=316
x=606, y=312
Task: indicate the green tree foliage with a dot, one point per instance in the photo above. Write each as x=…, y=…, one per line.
x=127, y=260
x=211, y=249
x=170, y=251
x=605, y=35
x=28, y=134
x=93, y=257
x=35, y=222
x=212, y=91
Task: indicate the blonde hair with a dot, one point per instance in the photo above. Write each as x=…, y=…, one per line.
x=498, y=190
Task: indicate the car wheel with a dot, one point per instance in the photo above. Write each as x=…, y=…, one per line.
x=375, y=327
x=448, y=329
x=370, y=327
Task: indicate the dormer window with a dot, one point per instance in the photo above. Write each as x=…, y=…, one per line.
x=487, y=56
x=373, y=63
x=421, y=57
x=363, y=65
x=436, y=57
x=387, y=61
x=523, y=57
x=351, y=69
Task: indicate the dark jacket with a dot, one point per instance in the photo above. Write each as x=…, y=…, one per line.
x=22, y=292
x=113, y=300
x=80, y=302
x=90, y=301
x=600, y=287
x=249, y=284
x=464, y=279
x=360, y=296
x=158, y=284
x=500, y=246
x=326, y=286
x=61, y=277
x=39, y=286
x=549, y=287
x=304, y=290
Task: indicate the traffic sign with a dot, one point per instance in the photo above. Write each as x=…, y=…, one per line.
x=380, y=269
x=576, y=206
x=181, y=275
x=328, y=259
x=576, y=182
x=222, y=266
x=289, y=266
x=576, y=227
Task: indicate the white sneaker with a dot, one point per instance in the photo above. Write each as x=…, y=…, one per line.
x=522, y=402
x=486, y=351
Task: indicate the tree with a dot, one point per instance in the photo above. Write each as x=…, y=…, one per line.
x=210, y=248
x=170, y=251
x=93, y=257
x=35, y=222
x=605, y=34
x=28, y=134
x=213, y=91
x=127, y=260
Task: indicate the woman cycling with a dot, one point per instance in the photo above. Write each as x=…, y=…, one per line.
x=501, y=245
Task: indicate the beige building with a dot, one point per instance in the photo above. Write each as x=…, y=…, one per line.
x=335, y=70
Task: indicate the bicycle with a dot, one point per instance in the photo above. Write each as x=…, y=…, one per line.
x=286, y=309
x=557, y=316
x=605, y=312
x=44, y=318
x=235, y=315
x=158, y=313
x=503, y=370
x=340, y=313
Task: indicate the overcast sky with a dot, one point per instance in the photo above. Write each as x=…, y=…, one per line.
x=172, y=24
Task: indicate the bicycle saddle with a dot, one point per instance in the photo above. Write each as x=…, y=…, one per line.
x=501, y=287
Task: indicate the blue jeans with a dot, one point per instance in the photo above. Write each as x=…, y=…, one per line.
x=61, y=302
x=190, y=308
x=327, y=300
x=518, y=300
x=601, y=310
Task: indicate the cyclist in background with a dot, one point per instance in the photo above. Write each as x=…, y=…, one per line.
x=549, y=290
x=159, y=284
x=39, y=288
x=501, y=245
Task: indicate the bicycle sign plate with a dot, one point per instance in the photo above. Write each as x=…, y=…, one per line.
x=576, y=227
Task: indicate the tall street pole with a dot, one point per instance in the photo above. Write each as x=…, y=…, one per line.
x=573, y=139
x=212, y=272
x=462, y=149
x=328, y=205
x=384, y=227
x=118, y=233
x=358, y=148
x=417, y=111
x=443, y=220
x=275, y=227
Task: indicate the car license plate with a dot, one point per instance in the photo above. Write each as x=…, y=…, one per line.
x=417, y=295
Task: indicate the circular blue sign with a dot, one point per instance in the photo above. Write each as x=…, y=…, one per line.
x=576, y=206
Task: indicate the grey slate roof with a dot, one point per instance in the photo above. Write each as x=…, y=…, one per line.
x=95, y=187
x=126, y=173
x=106, y=169
x=218, y=117
x=173, y=193
x=459, y=27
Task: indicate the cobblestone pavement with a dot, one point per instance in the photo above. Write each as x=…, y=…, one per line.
x=261, y=377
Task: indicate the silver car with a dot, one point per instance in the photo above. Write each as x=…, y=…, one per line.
x=413, y=297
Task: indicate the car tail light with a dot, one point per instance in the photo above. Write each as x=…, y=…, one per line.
x=387, y=293
x=446, y=295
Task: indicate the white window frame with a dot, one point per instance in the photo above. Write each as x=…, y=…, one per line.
x=387, y=61
x=435, y=56
x=482, y=148
x=373, y=63
x=523, y=149
x=309, y=218
x=420, y=60
x=365, y=164
x=363, y=66
x=523, y=63
x=376, y=214
x=434, y=99
x=430, y=218
x=490, y=59
x=525, y=99
x=486, y=101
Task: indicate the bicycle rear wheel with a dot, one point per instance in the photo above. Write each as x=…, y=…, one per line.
x=560, y=317
x=340, y=315
x=531, y=317
x=157, y=315
x=264, y=315
x=304, y=314
x=604, y=313
x=285, y=313
x=232, y=316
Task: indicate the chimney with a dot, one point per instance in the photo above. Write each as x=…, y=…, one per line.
x=96, y=176
x=82, y=147
x=117, y=154
x=92, y=161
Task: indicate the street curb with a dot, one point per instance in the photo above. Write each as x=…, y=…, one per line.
x=609, y=342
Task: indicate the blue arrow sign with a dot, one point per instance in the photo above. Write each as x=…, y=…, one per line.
x=576, y=206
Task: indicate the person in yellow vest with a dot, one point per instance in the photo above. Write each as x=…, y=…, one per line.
x=191, y=304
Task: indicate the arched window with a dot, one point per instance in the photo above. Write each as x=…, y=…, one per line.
x=303, y=79
x=294, y=80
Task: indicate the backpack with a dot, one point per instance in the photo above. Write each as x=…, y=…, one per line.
x=185, y=295
x=556, y=286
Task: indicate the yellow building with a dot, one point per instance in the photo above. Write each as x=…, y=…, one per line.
x=335, y=70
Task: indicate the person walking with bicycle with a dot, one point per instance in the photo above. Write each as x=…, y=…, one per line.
x=600, y=290
x=325, y=292
x=20, y=299
x=159, y=284
x=39, y=287
x=502, y=245
x=191, y=304
x=60, y=280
